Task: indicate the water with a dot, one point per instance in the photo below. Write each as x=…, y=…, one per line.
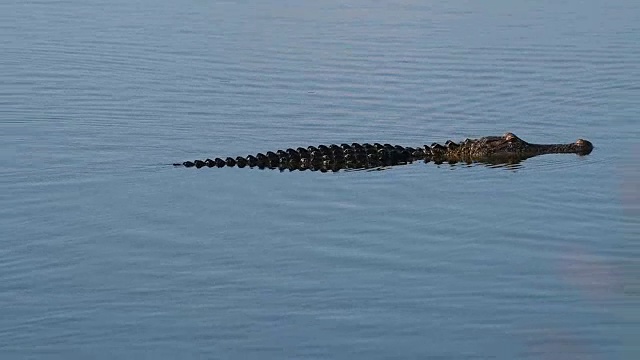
x=107, y=252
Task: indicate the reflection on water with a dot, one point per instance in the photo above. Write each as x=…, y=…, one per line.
x=333, y=165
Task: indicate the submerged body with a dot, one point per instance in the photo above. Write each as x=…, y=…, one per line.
x=506, y=149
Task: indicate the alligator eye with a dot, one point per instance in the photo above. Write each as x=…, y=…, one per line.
x=510, y=137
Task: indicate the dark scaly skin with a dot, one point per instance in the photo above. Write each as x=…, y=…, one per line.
x=506, y=149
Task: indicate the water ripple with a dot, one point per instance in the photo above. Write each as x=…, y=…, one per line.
x=108, y=250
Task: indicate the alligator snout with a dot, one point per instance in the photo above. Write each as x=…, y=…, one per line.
x=583, y=147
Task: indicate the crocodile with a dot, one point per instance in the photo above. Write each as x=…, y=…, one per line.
x=505, y=149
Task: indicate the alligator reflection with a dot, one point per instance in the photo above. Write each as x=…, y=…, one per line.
x=377, y=166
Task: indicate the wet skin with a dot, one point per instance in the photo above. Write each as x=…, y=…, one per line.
x=505, y=149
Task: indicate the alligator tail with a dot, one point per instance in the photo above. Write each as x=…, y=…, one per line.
x=217, y=162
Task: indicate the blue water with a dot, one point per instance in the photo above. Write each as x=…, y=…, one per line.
x=108, y=252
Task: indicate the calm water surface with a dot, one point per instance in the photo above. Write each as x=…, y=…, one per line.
x=108, y=252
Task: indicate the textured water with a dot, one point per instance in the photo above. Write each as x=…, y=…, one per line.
x=108, y=252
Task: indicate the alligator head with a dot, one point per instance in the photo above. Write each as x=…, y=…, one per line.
x=509, y=147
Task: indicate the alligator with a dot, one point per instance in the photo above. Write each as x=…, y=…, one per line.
x=505, y=149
